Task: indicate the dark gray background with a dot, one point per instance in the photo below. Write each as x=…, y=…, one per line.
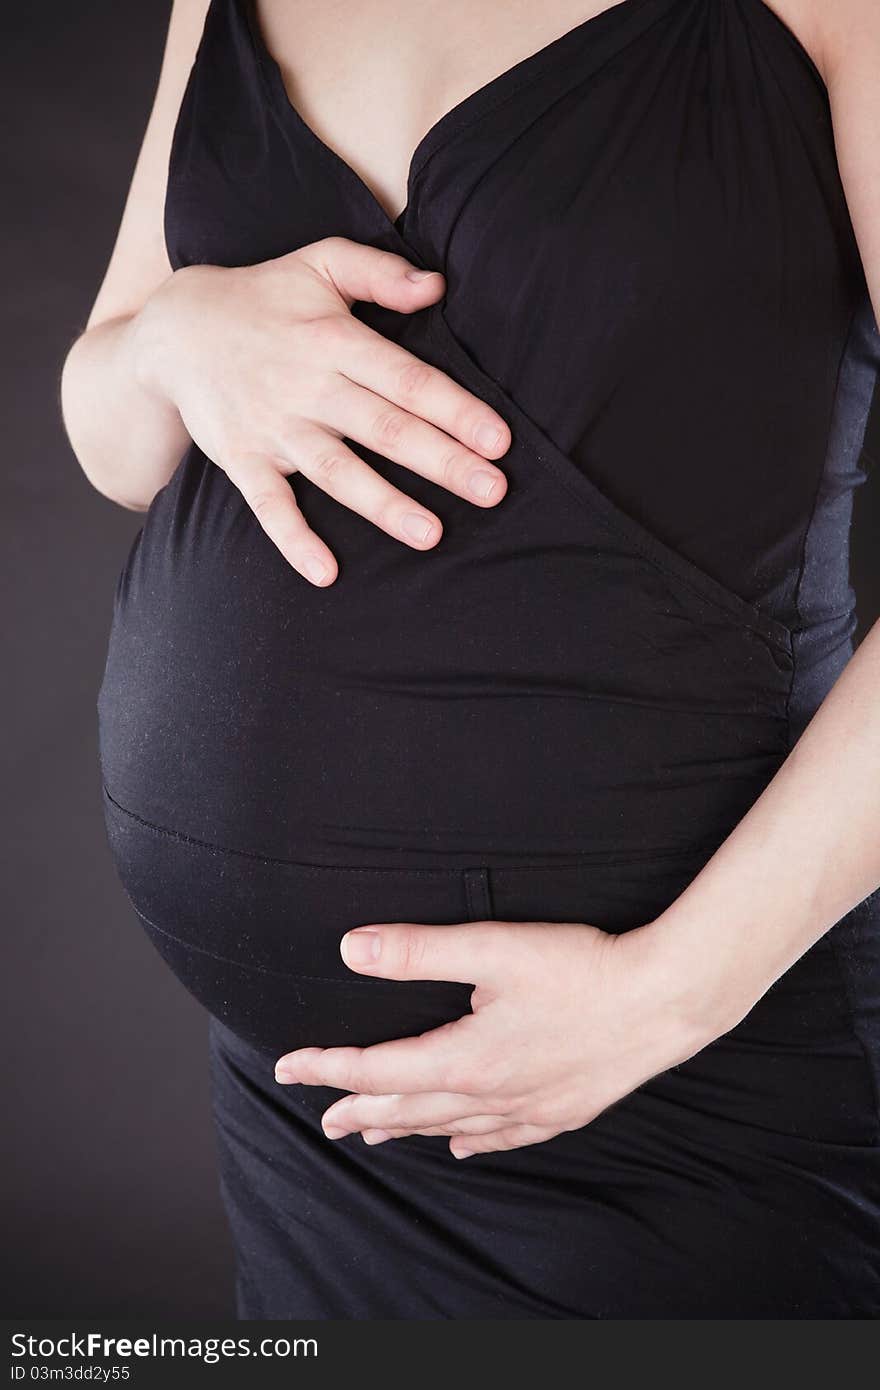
x=111, y=1204
x=110, y=1197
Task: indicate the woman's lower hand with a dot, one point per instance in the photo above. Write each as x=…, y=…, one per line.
x=269, y=371
x=567, y=1019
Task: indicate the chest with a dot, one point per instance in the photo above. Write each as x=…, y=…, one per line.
x=371, y=78
x=657, y=154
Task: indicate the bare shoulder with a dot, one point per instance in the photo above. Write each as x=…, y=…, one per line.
x=839, y=36
x=843, y=38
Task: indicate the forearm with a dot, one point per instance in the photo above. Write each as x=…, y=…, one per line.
x=127, y=437
x=807, y=852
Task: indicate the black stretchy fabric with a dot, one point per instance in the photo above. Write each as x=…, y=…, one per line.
x=557, y=714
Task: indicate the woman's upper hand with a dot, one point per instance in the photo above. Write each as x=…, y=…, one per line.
x=269, y=370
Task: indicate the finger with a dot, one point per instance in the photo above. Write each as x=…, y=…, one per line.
x=387, y=369
x=477, y=1124
x=470, y=952
x=430, y=1062
x=407, y=439
x=358, y=271
x=499, y=1140
x=406, y=1113
x=338, y=471
x=270, y=497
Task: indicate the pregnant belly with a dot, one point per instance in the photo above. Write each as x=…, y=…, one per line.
x=282, y=763
x=550, y=690
x=535, y=685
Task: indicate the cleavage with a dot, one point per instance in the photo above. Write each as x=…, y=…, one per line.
x=375, y=104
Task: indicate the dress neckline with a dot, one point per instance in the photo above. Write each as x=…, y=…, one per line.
x=462, y=114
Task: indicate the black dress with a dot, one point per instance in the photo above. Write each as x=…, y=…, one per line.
x=562, y=710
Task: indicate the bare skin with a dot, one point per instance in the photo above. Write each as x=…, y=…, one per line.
x=566, y=1019
x=336, y=59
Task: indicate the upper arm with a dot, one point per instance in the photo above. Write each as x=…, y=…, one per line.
x=139, y=261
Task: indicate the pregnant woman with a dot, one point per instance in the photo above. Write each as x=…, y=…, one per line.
x=483, y=738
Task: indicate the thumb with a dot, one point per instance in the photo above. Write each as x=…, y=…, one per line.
x=360, y=272
x=470, y=952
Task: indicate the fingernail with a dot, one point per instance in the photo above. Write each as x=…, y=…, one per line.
x=416, y=527
x=482, y=484
x=361, y=946
x=283, y=1072
x=334, y=1131
x=487, y=436
x=419, y=274
x=462, y=1153
x=375, y=1136
x=315, y=569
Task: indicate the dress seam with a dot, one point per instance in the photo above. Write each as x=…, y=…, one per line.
x=802, y=565
x=247, y=965
x=524, y=865
x=303, y=865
